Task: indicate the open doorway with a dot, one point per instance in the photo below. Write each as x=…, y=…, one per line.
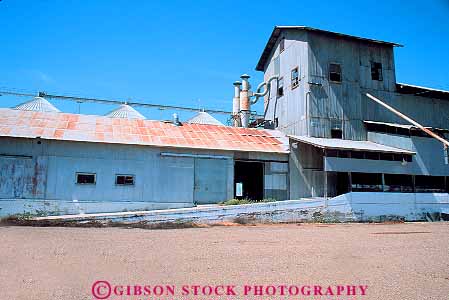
x=248, y=180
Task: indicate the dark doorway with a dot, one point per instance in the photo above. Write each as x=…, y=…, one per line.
x=248, y=180
x=342, y=183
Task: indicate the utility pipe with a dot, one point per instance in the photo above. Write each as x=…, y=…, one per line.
x=429, y=132
x=267, y=85
x=245, y=103
x=236, y=104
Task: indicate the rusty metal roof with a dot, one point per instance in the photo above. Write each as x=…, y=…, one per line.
x=278, y=29
x=101, y=129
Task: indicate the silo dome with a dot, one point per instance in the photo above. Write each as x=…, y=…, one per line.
x=125, y=111
x=37, y=104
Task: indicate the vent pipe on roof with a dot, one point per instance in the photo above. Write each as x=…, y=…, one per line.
x=245, y=103
x=241, y=104
x=176, y=120
x=236, y=104
x=266, y=85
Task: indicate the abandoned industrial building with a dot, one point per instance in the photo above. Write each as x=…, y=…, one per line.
x=320, y=136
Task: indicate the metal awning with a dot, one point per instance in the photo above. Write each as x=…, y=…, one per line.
x=403, y=126
x=390, y=124
x=340, y=144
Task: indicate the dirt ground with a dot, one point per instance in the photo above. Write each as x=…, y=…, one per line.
x=395, y=261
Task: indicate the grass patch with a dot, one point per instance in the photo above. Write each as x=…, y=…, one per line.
x=245, y=201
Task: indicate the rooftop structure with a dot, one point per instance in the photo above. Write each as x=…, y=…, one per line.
x=278, y=29
x=37, y=104
x=125, y=111
x=204, y=118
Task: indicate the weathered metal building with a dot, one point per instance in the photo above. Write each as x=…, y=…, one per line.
x=70, y=163
x=342, y=141
x=326, y=139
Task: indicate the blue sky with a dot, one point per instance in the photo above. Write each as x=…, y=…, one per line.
x=189, y=52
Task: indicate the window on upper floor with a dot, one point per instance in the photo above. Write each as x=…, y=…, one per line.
x=336, y=133
x=277, y=65
x=376, y=71
x=335, y=72
x=281, y=45
x=295, y=77
x=280, y=88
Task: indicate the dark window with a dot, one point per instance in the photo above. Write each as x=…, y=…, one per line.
x=343, y=153
x=281, y=45
x=376, y=71
x=276, y=122
x=295, y=77
x=335, y=72
x=366, y=182
x=398, y=183
x=430, y=184
x=85, y=178
x=124, y=180
x=336, y=133
x=358, y=154
x=331, y=153
x=372, y=155
x=280, y=87
x=387, y=156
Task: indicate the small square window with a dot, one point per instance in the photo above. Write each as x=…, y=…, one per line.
x=336, y=133
x=85, y=178
x=282, y=45
x=280, y=91
x=335, y=72
x=376, y=71
x=295, y=77
x=124, y=179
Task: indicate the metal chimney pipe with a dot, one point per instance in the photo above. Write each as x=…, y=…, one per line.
x=236, y=104
x=245, y=104
x=176, y=120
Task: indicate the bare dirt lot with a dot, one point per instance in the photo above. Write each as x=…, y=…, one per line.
x=395, y=261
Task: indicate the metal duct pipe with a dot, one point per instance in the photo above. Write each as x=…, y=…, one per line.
x=236, y=104
x=245, y=103
x=176, y=120
x=267, y=85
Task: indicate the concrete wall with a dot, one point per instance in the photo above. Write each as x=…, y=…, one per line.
x=384, y=206
x=42, y=176
x=347, y=207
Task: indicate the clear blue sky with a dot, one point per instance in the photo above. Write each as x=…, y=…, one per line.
x=189, y=52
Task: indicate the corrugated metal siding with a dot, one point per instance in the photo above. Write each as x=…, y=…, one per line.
x=210, y=180
x=22, y=177
x=289, y=109
x=168, y=179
